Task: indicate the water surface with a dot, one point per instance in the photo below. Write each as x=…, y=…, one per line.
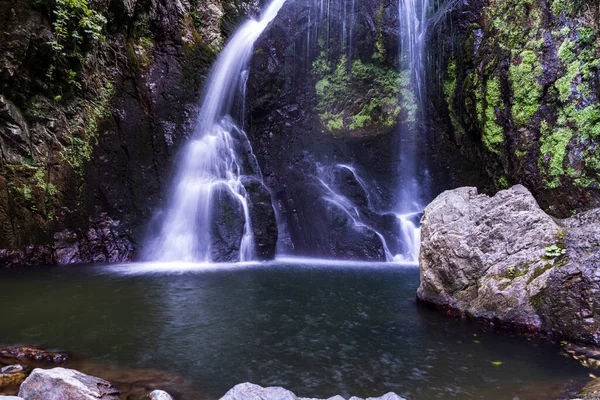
x=318, y=330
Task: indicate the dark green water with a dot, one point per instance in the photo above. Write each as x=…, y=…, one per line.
x=316, y=330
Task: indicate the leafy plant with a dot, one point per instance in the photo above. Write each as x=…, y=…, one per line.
x=75, y=25
x=555, y=251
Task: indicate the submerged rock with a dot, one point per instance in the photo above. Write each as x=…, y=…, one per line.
x=250, y=391
x=65, y=384
x=33, y=354
x=503, y=259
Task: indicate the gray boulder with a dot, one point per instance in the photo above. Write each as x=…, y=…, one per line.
x=250, y=391
x=65, y=384
x=503, y=259
x=159, y=395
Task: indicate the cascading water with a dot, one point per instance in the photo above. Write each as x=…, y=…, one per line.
x=413, y=23
x=333, y=196
x=212, y=166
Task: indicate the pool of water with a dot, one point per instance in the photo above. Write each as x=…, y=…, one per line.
x=317, y=329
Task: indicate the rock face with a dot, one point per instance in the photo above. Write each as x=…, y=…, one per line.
x=503, y=259
x=514, y=87
x=88, y=132
x=249, y=391
x=324, y=94
x=65, y=384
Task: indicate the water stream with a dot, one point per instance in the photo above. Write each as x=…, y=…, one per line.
x=413, y=25
x=212, y=166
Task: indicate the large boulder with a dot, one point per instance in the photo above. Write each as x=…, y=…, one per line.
x=65, y=384
x=249, y=391
x=503, y=259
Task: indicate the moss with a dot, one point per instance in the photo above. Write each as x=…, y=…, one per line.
x=514, y=272
x=493, y=133
x=537, y=300
x=503, y=182
x=524, y=73
x=40, y=180
x=538, y=271
x=366, y=97
x=82, y=144
x=553, y=150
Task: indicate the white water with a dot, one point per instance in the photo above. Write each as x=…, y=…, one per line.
x=413, y=24
x=211, y=165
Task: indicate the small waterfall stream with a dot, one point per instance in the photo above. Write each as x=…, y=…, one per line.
x=413, y=25
x=214, y=161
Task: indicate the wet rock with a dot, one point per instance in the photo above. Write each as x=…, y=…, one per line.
x=245, y=391
x=159, y=395
x=262, y=215
x=11, y=369
x=14, y=134
x=503, y=259
x=62, y=383
x=591, y=391
x=12, y=375
x=32, y=354
x=227, y=225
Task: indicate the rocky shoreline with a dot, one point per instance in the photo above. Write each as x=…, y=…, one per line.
x=29, y=373
x=35, y=374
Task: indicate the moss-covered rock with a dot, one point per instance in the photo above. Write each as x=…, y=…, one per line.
x=521, y=89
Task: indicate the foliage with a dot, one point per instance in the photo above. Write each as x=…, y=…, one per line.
x=555, y=251
x=75, y=25
x=82, y=143
x=76, y=29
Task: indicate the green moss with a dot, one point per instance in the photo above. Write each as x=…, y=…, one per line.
x=82, y=145
x=366, y=97
x=538, y=272
x=335, y=124
x=553, y=150
x=524, y=74
x=40, y=180
x=493, y=133
x=503, y=182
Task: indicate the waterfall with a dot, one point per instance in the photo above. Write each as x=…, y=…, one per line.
x=332, y=195
x=214, y=161
x=413, y=26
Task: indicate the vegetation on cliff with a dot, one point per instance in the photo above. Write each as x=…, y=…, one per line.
x=524, y=78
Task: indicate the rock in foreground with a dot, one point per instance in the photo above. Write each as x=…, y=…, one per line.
x=65, y=384
x=503, y=259
x=249, y=391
